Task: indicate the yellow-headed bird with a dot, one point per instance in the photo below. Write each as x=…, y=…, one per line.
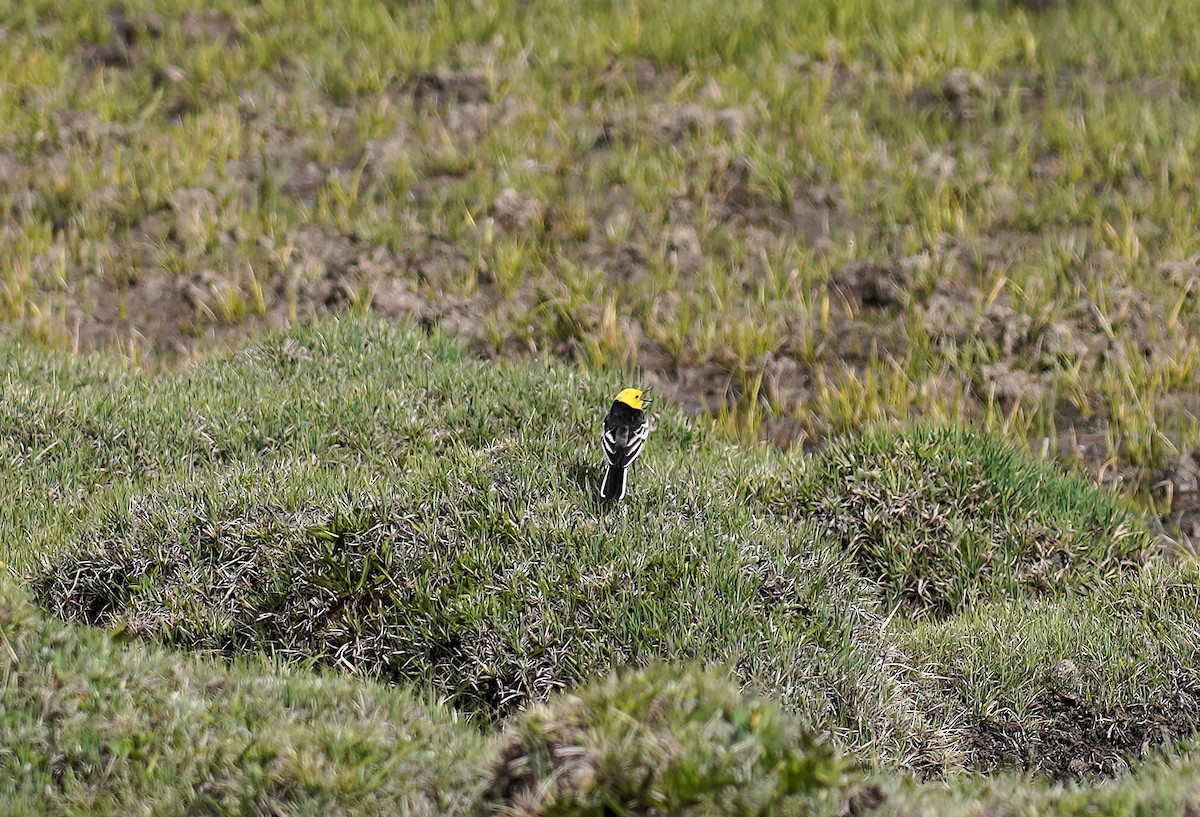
x=623, y=434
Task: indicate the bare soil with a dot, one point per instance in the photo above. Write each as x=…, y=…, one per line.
x=1075, y=740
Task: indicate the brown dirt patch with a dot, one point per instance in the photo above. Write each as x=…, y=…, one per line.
x=1070, y=739
x=960, y=96
x=872, y=284
x=150, y=314
x=446, y=87
x=128, y=34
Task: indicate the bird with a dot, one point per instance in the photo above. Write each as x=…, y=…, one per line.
x=623, y=434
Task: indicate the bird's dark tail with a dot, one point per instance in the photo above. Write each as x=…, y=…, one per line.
x=613, y=487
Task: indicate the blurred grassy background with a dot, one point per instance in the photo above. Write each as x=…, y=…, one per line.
x=802, y=218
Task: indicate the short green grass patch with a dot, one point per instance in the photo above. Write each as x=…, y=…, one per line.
x=89, y=725
x=93, y=725
x=489, y=612
x=1075, y=687
x=454, y=541
x=359, y=497
x=945, y=518
x=661, y=741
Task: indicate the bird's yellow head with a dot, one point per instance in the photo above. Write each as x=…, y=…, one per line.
x=634, y=398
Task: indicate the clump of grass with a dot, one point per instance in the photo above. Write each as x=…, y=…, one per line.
x=490, y=613
x=945, y=518
x=1091, y=689
x=453, y=540
x=89, y=725
x=660, y=741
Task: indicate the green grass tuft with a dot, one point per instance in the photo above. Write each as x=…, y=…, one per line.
x=946, y=518
x=660, y=741
x=1073, y=688
x=92, y=726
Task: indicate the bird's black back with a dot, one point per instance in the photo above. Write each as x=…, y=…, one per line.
x=624, y=427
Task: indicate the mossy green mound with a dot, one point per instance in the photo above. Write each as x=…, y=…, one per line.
x=661, y=741
x=92, y=726
x=360, y=497
x=945, y=518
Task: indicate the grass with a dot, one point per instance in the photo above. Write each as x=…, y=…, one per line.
x=676, y=742
x=360, y=568
x=480, y=567
x=91, y=725
x=452, y=546
x=946, y=519
x=678, y=188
